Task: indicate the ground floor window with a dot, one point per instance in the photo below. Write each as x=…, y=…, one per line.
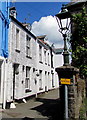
x=27, y=80
x=40, y=80
x=52, y=79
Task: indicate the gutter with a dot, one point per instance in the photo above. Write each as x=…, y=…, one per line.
x=74, y=5
x=15, y=20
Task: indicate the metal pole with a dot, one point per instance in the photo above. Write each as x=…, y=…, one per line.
x=66, y=62
x=65, y=53
x=66, y=102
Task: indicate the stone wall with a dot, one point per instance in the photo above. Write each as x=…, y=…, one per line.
x=76, y=95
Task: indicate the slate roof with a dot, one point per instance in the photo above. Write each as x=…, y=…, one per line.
x=58, y=50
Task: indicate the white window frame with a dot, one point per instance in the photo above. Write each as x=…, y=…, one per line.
x=40, y=53
x=45, y=59
x=27, y=80
x=17, y=39
x=28, y=46
x=40, y=80
x=48, y=59
x=53, y=80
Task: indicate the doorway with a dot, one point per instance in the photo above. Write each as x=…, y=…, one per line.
x=15, y=79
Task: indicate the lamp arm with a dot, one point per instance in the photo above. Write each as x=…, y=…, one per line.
x=59, y=25
x=61, y=28
x=58, y=22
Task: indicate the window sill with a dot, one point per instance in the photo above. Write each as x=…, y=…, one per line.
x=28, y=57
x=52, y=67
x=41, y=62
x=17, y=50
x=27, y=90
x=40, y=88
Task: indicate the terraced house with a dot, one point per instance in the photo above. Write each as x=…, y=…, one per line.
x=30, y=63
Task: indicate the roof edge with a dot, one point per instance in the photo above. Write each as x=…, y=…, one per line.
x=20, y=24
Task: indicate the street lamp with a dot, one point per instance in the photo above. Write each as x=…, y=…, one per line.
x=66, y=73
x=63, y=29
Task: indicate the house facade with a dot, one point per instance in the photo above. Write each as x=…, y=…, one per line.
x=30, y=64
x=21, y=61
x=45, y=64
x=4, y=26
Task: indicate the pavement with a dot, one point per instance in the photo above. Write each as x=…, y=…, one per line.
x=45, y=107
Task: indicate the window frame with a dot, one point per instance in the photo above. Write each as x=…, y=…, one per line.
x=48, y=59
x=40, y=80
x=45, y=59
x=40, y=54
x=28, y=46
x=27, y=79
x=17, y=40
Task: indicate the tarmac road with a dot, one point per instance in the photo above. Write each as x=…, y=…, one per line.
x=45, y=107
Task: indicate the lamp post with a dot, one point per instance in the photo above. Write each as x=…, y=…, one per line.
x=63, y=29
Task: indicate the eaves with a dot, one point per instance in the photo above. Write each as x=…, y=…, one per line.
x=42, y=44
x=24, y=28
x=75, y=6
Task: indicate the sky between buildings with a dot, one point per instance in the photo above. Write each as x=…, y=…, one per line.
x=41, y=16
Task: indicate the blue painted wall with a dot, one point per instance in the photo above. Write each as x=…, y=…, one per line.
x=4, y=27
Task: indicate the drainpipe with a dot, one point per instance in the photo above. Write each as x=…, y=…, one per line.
x=2, y=79
x=5, y=84
x=36, y=70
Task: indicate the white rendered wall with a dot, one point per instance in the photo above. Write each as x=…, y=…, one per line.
x=33, y=62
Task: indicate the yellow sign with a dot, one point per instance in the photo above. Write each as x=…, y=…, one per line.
x=65, y=81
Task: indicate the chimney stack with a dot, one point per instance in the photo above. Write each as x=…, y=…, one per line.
x=13, y=12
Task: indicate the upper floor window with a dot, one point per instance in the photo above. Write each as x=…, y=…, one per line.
x=40, y=53
x=17, y=39
x=45, y=57
x=48, y=59
x=28, y=46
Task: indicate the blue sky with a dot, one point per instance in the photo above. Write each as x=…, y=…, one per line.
x=33, y=11
x=41, y=17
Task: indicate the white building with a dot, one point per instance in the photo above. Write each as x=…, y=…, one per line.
x=30, y=65
x=45, y=64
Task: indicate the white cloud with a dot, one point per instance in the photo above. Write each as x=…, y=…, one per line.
x=48, y=26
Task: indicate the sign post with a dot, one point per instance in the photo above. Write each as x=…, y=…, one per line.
x=65, y=81
x=66, y=102
x=66, y=75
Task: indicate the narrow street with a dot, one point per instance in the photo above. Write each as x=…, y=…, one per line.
x=46, y=106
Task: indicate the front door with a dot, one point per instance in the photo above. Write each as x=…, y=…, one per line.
x=15, y=80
